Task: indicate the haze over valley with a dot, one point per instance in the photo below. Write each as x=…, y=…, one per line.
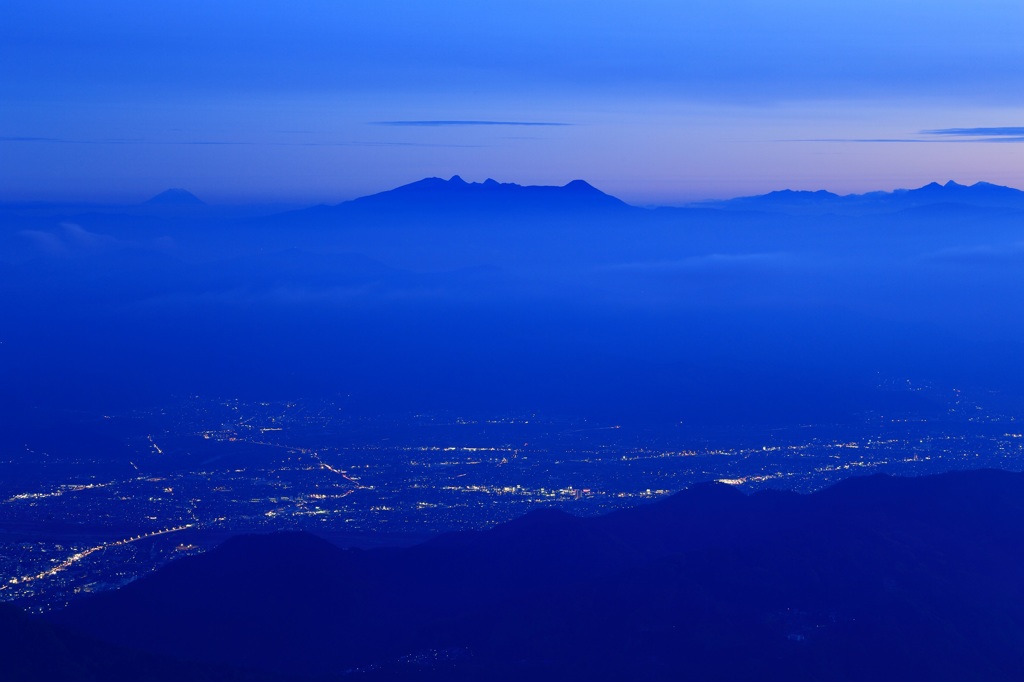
x=449, y=355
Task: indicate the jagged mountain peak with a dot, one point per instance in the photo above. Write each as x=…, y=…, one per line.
x=456, y=194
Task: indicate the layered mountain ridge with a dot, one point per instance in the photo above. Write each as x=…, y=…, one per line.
x=978, y=195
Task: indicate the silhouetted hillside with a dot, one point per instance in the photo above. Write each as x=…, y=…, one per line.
x=875, y=578
x=32, y=650
x=456, y=193
x=455, y=200
x=981, y=195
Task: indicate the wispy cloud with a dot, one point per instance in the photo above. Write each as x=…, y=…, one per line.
x=15, y=138
x=980, y=254
x=377, y=144
x=978, y=132
x=862, y=139
x=433, y=124
x=70, y=239
x=711, y=261
x=62, y=140
x=229, y=143
x=940, y=137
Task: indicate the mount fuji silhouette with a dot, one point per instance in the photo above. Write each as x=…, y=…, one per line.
x=175, y=197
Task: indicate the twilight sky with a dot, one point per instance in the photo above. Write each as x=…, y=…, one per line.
x=655, y=101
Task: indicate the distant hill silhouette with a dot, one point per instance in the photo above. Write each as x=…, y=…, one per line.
x=435, y=203
x=175, y=197
x=575, y=195
x=434, y=200
x=875, y=578
x=978, y=195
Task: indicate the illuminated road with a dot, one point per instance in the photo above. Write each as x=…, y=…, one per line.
x=339, y=472
x=78, y=556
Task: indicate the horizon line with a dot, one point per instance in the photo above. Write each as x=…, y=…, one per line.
x=10, y=202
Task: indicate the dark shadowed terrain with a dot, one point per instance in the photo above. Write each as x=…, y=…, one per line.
x=878, y=577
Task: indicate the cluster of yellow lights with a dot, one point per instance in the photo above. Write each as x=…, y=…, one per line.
x=78, y=556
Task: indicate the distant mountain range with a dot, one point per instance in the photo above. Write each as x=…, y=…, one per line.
x=434, y=200
x=437, y=202
x=951, y=194
x=455, y=198
x=875, y=578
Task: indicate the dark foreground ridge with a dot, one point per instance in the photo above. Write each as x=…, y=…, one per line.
x=875, y=578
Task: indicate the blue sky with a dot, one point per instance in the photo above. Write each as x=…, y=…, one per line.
x=659, y=102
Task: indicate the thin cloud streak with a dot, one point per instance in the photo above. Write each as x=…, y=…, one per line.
x=900, y=140
x=243, y=143
x=711, y=261
x=30, y=139
x=978, y=132
x=436, y=124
